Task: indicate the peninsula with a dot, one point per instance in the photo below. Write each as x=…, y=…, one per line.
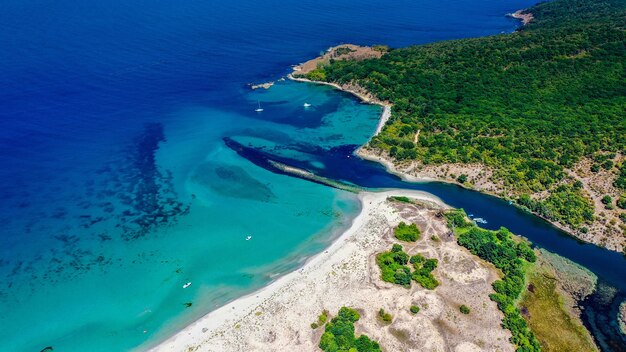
x=535, y=116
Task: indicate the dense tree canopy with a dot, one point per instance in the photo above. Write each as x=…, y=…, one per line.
x=527, y=104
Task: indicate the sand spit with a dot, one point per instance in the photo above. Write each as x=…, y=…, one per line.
x=279, y=316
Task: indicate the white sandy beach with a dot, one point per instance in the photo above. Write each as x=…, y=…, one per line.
x=278, y=317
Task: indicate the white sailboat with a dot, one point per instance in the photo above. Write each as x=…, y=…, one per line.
x=259, y=109
x=187, y=285
x=306, y=105
x=248, y=238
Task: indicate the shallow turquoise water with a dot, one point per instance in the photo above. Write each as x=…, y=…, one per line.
x=228, y=198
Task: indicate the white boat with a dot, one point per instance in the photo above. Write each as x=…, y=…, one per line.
x=306, y=105
x=259, y=109
x=187, y=285
x=248, y=238
x=480, y=220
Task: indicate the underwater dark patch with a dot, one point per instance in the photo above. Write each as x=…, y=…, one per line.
x=232, y=181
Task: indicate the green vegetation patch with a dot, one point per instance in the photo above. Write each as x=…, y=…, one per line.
x=414, y=309
x=528, y=104
x=339, y=334
x=620, y=181
x=565, y=204
x=407, y=233
x=384, y=316
x=401, y=199
x=498, y=248
x=464, y=309
x=393, y=266
x=394, y=269
x=423, y=271
x=548, y=319
x=321, y=320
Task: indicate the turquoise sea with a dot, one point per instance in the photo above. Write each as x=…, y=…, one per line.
x=116, y=186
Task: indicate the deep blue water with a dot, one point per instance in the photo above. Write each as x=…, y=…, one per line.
x=115, y=184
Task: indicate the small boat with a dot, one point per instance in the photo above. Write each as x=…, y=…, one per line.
x=259, y=109
x=306, y=105
x=248, y=238
x=480, y=220
x=187, y=285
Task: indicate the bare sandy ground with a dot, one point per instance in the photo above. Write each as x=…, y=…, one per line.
x=278, y=317
x=350, y=52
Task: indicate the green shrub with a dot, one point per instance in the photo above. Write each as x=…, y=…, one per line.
x=462, y=178
x=384, y=316
x=393, y=268
x=317, y=75
x=607, y=200
x=407, y=233
x=621, y=202
x=401, y=199
x=457, y=218
x=339, y=334
x=464, y=309
x=415, y=309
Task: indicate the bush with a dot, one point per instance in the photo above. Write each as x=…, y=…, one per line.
x=621, y=202
x=393, y=268
x=339, y=334
x=457, y=218
x=407, y=233
x=401, y=199
x=423, y=271
x=464, y=309
x=384, y=316
x=415, y=309
x=607, y=200
x=462, y=178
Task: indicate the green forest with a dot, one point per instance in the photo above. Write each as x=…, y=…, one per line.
x=527, y=104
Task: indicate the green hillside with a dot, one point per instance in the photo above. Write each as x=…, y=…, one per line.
x=528, y=104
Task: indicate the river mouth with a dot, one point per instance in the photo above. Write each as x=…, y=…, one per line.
x=342, y=166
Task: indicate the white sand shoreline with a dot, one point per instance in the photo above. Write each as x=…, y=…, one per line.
x=211, y=323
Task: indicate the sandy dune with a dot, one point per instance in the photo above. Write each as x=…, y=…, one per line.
x=278, y=317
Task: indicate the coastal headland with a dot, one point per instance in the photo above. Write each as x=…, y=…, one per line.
x=582, y=194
